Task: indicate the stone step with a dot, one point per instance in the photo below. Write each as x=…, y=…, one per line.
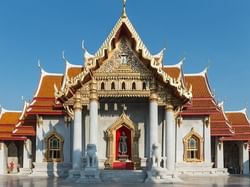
x=123, y=176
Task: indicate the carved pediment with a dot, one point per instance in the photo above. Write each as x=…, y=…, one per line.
x=122, y=60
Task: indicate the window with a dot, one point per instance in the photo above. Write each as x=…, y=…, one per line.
x=112, y=86
x=102, y=86
x=133, y=86
x=123, y=86
x=144, y=86
x=54, y=148
x=193, y=147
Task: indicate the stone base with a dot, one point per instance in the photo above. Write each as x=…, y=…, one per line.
x=123, y=176
x=46, y=169
x=74, y=175
x=161, y=175
x=199, y=169
x=89, y=175
x=25, y=171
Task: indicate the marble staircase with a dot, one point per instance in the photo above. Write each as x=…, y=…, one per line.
x=123, y=176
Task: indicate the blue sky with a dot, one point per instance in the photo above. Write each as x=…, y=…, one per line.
x=214, y=33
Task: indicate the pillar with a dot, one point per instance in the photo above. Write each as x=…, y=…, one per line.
x=179, y=141
x=27, y=157
x=245, y=158
x=153, y=121
x=93, y=114
x=219, y=148
x=27, y=153
x=207, y=140
x=77, y=133
x=3, y=158
x=170, y=122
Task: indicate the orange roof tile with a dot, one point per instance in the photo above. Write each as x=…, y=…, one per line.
x=173, y=72
x=10, y=117
x=200, y=85
x=237, y=118
x=25, y=130
x=74, y=71
x=47, y=85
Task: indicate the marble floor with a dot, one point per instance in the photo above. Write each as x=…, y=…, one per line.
x=21, y=181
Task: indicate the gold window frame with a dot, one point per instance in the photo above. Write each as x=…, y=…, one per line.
x=200, y=141
x=48, y=149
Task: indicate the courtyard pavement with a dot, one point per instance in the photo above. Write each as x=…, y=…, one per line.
x=25, y=181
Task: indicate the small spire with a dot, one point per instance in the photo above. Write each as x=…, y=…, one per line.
x=39, y=65
x=83, y=46
x=64, y=58
x=124, y=15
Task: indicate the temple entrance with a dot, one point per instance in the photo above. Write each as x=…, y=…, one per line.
x=122, y=145
x=231, y=157
x=12, y=160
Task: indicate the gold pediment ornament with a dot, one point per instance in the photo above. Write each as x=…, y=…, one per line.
x=122, y=60
x=132, y=66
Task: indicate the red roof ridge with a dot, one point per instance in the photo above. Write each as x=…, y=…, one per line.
x=228, y=123
x=25, y=107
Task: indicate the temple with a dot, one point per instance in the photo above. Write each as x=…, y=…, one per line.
x=124, y=113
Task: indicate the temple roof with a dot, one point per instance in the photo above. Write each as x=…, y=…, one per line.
x=238, y=117
x=8, y=120
x=24, y=127
x=200, y=84
x=203, y=102
x=241, y=125
x=175, y=71
x=123, y=27
x=9, y=117
x=44, y=100
x=46, y=84
x=220, y=125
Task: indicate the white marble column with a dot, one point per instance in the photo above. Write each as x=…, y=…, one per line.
x=207, y=140
x=77, y=133
x=153, y=121
x=27, y=159
x=3, y=158
x=93, y=114
x=179, y=141
x=245, y=158
x=219, y=148
x=170, y=122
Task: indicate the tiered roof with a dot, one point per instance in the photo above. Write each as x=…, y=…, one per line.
x=8, y=120
x=43, y=102
x=240, y=124
x=220, y=125
x=203, y=102
x=15, y=124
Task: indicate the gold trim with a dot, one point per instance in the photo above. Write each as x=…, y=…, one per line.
x=61, y=141
x=200, y=148
x=153, y=97
x=110, y=135
x=77, y=101
x=169, y=107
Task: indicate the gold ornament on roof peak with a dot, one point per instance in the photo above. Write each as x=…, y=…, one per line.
x=124, y=15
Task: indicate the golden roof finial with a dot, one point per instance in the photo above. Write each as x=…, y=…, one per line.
x=124, y=15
